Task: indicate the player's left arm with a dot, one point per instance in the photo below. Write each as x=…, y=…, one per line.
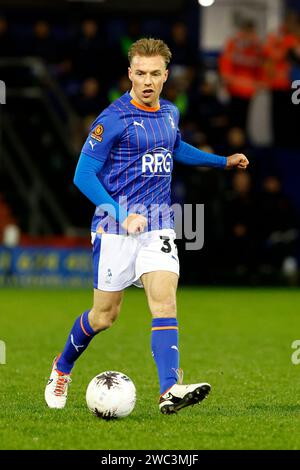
x=190, y=155
x=237, y=160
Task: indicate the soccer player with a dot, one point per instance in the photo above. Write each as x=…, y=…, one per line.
x=125, y=169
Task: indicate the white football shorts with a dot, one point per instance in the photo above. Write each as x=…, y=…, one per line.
x=120, y=260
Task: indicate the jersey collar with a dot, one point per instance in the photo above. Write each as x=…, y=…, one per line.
x=150, y=109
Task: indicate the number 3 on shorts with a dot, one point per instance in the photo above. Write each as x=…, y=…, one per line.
x=166, y=248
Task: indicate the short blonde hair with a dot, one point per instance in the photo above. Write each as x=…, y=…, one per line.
x=149, y=47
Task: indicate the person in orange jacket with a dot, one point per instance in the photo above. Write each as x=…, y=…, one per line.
x=240, y=69
x=277, y=69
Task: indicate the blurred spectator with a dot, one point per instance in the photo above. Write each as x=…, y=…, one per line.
x=294, y=57
x=89, y=51
x=183, y=52
x=277, y=225
x=120, y=61
x=184, y=63
x=7, y=47
x=81, y=131
x=65, y=74
x=179, y=97
x=209, y=111
x=240, y=68
x=42, y=43
x=277, y=77
x=123, y=85
x=240, y=214
x=91, y=99
x=294, y=52
x=87, y=124
x=236, y=141
x=204, y=184
x=133, y=33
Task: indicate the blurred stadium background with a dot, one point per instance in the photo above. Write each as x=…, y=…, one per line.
x=234, y=64
x=231, y=76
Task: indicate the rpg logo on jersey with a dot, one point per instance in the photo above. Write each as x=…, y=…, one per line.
x=157, y=162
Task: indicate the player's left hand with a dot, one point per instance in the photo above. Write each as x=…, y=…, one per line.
x=237, y=160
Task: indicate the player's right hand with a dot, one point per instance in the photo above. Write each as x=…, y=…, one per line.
x=134, y=223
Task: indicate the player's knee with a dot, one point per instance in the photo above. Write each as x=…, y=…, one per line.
x=102, y=322
x=103, y=319
x=165, y=309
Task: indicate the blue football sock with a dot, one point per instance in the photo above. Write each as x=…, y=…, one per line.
x=165, y=351
x=79, y=339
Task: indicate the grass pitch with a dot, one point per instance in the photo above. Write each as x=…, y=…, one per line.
x=237, y=340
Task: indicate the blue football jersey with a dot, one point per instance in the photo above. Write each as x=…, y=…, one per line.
x=139, y=142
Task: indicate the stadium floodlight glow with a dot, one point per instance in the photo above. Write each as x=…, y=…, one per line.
x=206, y=3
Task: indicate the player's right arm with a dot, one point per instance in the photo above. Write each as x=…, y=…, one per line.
x=105, y=132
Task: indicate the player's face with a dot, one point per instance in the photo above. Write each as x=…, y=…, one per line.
x=148, y=75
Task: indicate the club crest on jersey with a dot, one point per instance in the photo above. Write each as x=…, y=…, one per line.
x=97, y=132
x=157, y=162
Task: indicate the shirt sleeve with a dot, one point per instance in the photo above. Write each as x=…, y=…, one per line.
x=178, y=140
x=88, y=183
x=104, y=133
x=190, y=155
x=178, y=134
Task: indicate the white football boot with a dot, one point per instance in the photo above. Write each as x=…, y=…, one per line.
x=179, y=396
x=56, y=391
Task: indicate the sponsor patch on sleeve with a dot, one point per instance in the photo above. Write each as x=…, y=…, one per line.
x=97, y=132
